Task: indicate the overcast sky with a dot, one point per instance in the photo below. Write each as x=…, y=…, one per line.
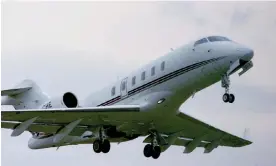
x=82, y=47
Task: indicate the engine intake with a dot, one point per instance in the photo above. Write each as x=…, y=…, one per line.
x=70, y=100
x=67, y=100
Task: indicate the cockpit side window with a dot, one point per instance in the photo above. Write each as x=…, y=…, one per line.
x=217, y=38
x=204, y=40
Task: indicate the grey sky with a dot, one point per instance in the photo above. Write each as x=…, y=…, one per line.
x=82, y=47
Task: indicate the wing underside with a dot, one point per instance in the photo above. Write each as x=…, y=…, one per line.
x=192, y=133
x=180, y=129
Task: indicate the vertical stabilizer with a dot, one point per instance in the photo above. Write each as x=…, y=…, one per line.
x=26, y=95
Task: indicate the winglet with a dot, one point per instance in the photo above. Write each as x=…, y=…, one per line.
x=246, y=133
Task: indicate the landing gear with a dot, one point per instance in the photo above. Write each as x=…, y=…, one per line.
x=101, y=146
x=225, y=83
x=228, y=98
x=97, y=146
x=156, y=152
x=105, y=146
x=148, y=150
x=152, y=150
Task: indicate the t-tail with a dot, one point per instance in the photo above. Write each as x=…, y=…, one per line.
x=26, y=95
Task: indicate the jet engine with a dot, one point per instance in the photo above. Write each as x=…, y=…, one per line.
x=67, y=100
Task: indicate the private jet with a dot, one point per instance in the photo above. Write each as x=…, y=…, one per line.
x=144, y=103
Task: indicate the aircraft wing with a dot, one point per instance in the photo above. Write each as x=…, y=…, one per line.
x=180, y=129
x=50, y=120
x=185, y=130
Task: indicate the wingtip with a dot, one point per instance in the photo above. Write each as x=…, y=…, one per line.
x=249, y=142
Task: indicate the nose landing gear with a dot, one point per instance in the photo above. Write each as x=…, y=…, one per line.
x=225, y=83
x=228, y=98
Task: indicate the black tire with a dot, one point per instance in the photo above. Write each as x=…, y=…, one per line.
x=105, y=146
x=156, y=152
x=231, y=98
x=97, y=146
x=148, y=150
x=225, y=97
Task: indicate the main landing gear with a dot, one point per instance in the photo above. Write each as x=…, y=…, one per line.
x=225, y=83
x=101, y=144
x=152, y=150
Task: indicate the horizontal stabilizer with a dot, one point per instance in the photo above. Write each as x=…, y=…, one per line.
x=13, y=92
x=25, y=95
x=23, y=86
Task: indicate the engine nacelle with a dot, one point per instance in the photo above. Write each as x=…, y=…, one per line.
x=67, y=100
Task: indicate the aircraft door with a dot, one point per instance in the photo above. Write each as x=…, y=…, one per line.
x=123, y=88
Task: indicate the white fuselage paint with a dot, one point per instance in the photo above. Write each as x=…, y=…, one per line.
x=175, y=89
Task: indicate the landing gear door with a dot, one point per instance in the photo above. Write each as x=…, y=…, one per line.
x=123, y=88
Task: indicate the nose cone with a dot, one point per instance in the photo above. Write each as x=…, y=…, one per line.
x=246, y=53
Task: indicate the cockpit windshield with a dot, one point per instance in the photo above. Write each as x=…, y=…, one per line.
x=211, y=39
x=217, y=38
x=203, y=40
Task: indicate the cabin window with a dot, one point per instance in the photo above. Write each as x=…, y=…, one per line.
x=133, y=80
x=113, y=91
x=163, y=66
x=143, y=76
x=153, y=71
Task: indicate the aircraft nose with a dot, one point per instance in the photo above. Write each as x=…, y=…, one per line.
x=246, y=53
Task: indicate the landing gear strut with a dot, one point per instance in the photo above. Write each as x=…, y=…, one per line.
x=152, y=150
x=225, y=83
x=101, y=144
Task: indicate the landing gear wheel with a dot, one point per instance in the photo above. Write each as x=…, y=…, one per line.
x=226, y=97
x=148, y=150
x=97, y=146
x=231, y=98
x=156, y=152
x=105, y=146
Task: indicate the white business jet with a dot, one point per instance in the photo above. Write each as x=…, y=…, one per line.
x=145, y=103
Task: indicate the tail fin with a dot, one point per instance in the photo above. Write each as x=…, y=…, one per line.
x=26, y=95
